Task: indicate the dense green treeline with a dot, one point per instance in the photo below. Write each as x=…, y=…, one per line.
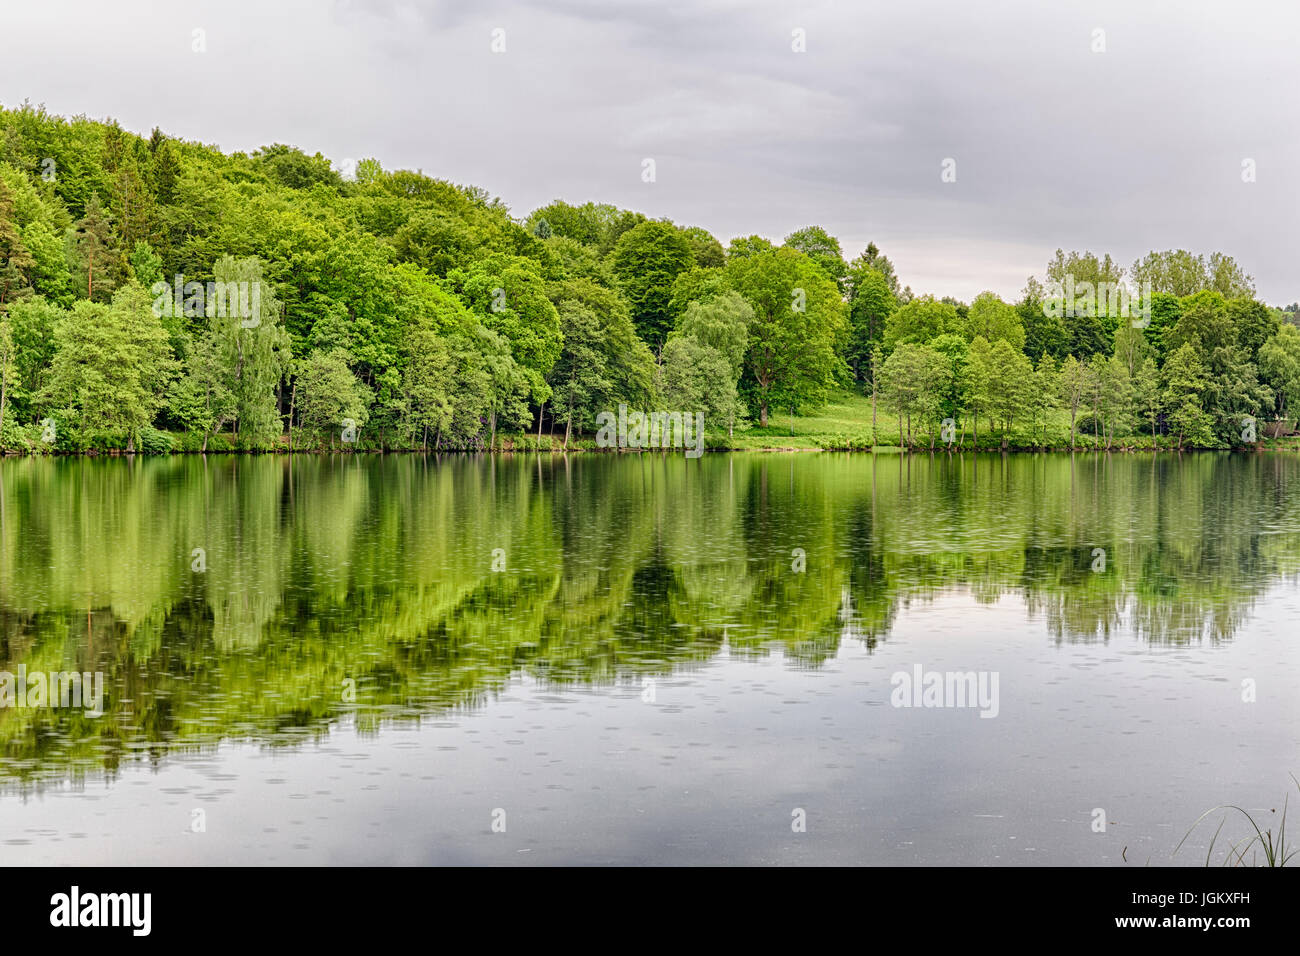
x=161, y=295
x=234, y=597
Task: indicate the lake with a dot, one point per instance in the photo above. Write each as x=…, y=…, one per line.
x=638, y=658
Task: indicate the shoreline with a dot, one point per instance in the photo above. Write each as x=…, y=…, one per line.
x=581, y=449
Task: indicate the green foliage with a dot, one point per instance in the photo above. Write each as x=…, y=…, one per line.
x=455, y=321
x=597, y=225
x=912, y=382
x=702, y=362
x=8, y=366
x=872, y=258
x=251, y=350
x=697, y=285
x=16, y=262
x=31, y=322
x=798, y=321
x=1185, y=381
x=871, y=302
x=509, y=295
x=1075, y=383
x=579, y=384
x=98, y=252
x=822, y=248
x=705, y=249
x=602, y=361
x=697, y=378
x=1181, y=273
x=331, y=402
x=744, y=246
x=1255, y=324
x=111, y=367
x=295, y=169
x=1081, y=267
x=155, y=442
x=1279, y=364
x=722, y=324
x=919, y=321
x=647, y=260
x=1044, y=392
x=1044, y=331
x=146, y=266
x=574, y=260
x=992, y=318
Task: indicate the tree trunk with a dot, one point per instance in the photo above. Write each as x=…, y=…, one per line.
x=541, y=413
x=293, y=395
x=873, y=407
x=762, y=414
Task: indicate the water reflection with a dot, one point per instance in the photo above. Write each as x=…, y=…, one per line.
x=261, y=598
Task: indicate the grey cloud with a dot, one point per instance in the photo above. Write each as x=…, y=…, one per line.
x=1136, y=148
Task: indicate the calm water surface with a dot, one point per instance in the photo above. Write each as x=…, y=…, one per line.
x=644, y=659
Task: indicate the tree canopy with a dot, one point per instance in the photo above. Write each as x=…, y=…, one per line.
x=151, y=286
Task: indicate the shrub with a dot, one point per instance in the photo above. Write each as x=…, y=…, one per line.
x=16, y=437
x=154, y=442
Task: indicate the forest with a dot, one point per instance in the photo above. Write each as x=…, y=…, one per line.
x=158, y=295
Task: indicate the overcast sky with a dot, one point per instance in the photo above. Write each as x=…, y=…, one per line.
x=1135, y=148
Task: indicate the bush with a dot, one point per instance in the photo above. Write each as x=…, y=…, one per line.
x=22, y=438
x=848, y=443
x=104, y=442
x=154, y=442
x=218, y=443
x=187, y=442
x=68, y=439
x=192, y=442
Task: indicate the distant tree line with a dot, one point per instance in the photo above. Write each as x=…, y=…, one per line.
x=397, y=310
